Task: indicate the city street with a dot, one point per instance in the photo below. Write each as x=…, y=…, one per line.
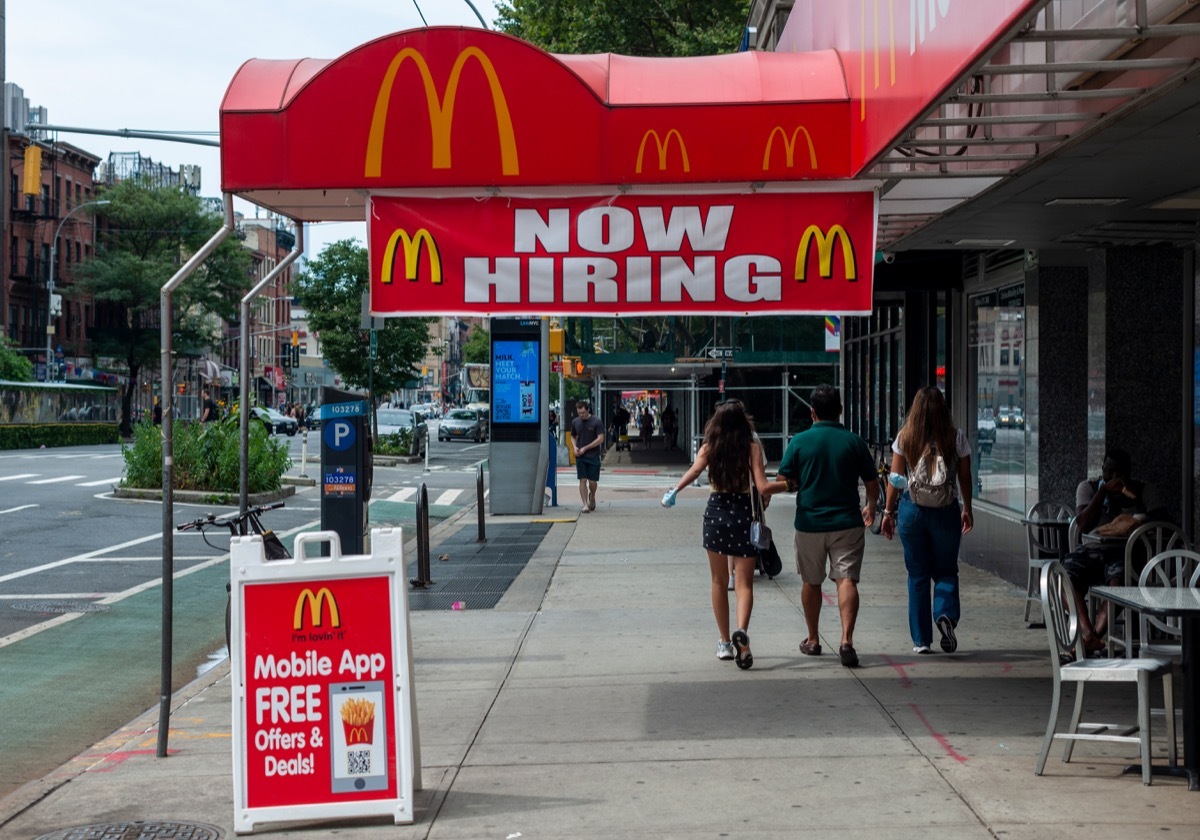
x=80, y=594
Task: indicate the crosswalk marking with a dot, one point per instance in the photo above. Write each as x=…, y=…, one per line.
x=57, y=480
x=15, y=477
x=100, y=483
x=447, y=497
x=403, y=496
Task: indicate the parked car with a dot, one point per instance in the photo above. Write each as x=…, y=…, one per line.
x=462, y=424
x=986, y=427
x=274, y=422
x=392, y=420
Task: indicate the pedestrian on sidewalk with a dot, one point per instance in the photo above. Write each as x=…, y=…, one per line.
x=733, y=461
x=766, y=500
x=587, y=433
x=931, y=516
x=824, y=465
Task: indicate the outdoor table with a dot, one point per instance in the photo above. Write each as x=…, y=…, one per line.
x=1062, y=526
x=1184, y=602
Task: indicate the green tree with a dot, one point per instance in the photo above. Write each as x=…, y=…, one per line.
x=331, y=288
x=13, y=366
x=628, y=27
x=144, y=236
x=478, y=346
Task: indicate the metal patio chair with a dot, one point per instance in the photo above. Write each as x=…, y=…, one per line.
x=1162, y=636
x=1147, y=540
x=1069, y=663
x=1046, y=530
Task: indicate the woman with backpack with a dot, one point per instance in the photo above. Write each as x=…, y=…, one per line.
x=930, y=514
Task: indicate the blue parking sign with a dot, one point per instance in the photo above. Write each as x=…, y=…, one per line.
x=338, y=434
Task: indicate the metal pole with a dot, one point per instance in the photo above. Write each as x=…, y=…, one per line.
x=304, y=454
x=50, y=280
x=422, y=580
x=244, y=363
x=168, y=467
x=479, y=502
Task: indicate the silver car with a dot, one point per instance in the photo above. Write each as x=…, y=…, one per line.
x=392, y=420
x=462, y=424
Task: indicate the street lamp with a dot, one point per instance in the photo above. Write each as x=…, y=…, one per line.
x=50, y=282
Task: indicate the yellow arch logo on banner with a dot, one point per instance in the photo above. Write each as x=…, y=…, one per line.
x=825, y=242
x=316, y=603
x=441, y=111
x=411, y=246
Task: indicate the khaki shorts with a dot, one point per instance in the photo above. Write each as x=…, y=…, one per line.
x=844, y=550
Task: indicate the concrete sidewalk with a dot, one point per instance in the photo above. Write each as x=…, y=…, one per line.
x=589, y=703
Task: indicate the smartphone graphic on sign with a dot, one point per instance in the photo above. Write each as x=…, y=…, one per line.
x=358, y=736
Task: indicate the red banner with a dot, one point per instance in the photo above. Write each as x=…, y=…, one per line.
x=762, y=253
x=320, y=710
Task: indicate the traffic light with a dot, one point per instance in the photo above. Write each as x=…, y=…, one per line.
x=181, y=388
x=557, y=341
x=580, y=368
x=295, y=356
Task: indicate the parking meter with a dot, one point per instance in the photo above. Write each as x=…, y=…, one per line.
x=346, y=466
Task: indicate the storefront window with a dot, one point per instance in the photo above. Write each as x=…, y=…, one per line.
x=996, y=332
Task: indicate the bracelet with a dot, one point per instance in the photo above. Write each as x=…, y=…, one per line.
x=889, y=513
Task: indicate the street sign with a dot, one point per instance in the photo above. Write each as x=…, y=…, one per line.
x=556, y=365
x=720, y=353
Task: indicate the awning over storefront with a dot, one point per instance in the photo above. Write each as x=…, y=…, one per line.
x=453, y=108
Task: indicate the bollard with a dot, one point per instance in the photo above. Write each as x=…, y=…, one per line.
x=479, y=502
x=304, y=454
x=422, y=579
x=552, y=472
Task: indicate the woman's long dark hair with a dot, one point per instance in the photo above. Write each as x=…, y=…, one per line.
x=728, y=435
x=928, y=424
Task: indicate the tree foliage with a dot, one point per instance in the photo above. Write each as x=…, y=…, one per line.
x=478, y=346
x=331, y=288
x=13, y=366
x=628, y=27
x=144, y=236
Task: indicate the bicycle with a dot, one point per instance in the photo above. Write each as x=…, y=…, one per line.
x=239, y=525
x=883, y=470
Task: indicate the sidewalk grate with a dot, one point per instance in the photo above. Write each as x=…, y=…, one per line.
x=137, y=830
x=477, y=574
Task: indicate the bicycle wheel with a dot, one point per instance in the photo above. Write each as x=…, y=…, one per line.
x=880, y=503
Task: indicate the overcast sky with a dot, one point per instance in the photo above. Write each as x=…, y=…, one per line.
x=165, y=64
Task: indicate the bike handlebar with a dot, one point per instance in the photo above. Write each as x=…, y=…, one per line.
x=231, y=521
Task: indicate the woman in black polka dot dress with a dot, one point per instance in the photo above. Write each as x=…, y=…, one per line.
x=733, y=458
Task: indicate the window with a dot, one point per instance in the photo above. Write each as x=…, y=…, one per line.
x=995, y=328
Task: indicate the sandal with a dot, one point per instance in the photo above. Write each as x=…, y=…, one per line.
x=741, y=642
x=810, y=648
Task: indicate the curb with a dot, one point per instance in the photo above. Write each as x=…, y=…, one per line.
x=202, y=496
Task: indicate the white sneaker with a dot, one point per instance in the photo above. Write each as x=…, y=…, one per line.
x=731, y=583
x=922, y=649
x=725, y=650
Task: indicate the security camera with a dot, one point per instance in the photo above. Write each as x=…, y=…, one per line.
x=889, y=257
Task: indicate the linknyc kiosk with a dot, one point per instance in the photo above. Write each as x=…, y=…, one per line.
x=520, y=437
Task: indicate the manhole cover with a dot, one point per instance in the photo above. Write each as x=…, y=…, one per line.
x=138, y=830
x=53, y=606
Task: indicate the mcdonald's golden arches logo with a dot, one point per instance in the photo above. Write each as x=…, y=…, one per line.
x=411, y=247
x=441, y=111
x=316, y=608
x=825, y=242
x=875, y=41
x=789, y=146
x=662, y=145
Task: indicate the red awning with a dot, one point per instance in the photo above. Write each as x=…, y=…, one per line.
x=463, y=110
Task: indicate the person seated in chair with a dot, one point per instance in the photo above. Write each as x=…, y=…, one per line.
x=1098, y=502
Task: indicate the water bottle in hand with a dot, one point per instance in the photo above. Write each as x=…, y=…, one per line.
x=668, y=499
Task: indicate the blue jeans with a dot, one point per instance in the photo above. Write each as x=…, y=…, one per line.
x=930, y=538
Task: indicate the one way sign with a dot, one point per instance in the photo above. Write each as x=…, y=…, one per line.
x=721, y=353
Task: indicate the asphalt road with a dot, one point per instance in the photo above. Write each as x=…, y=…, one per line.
x=81, y=597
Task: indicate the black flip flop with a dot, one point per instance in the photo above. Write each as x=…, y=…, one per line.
x=741, y=642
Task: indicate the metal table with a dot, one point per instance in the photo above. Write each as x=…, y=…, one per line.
x=1183, y=602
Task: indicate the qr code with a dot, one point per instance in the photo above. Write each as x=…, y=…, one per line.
x=504, y=411
x=358, y=762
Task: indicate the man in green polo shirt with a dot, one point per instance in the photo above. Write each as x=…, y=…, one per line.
x=823, y=466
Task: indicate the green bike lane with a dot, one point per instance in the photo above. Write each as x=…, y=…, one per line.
x=71, y=684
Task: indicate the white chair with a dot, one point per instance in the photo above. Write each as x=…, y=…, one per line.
x=1045, y=542
x=1070, y=664
x=1147, y=540
x=1162, y=637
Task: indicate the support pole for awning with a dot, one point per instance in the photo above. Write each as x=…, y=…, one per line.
x=168, y=467
x=244, y=364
